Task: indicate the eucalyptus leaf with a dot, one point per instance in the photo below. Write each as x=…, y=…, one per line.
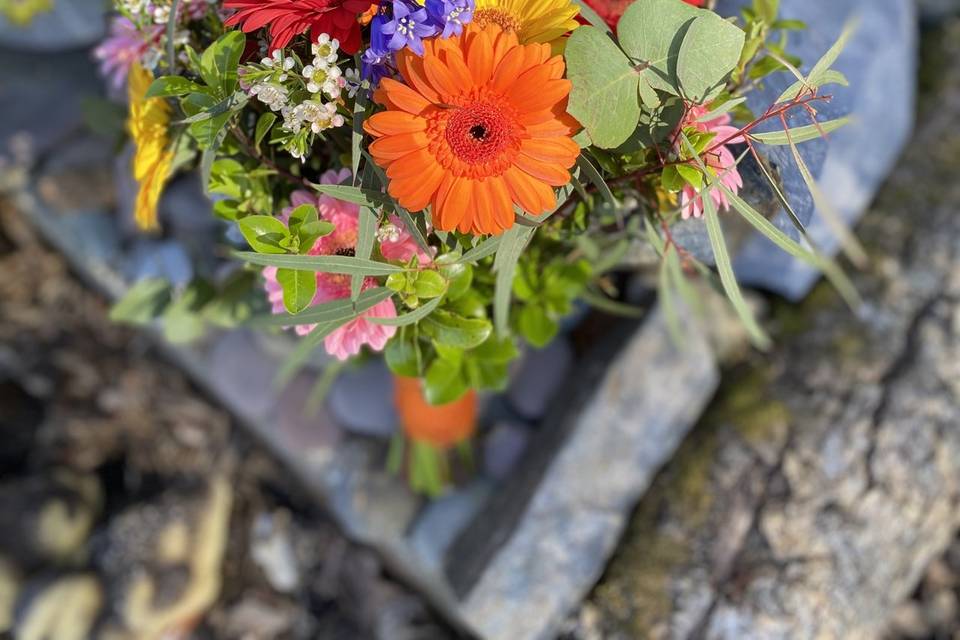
x=604, y=95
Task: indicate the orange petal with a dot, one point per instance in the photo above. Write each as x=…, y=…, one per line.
x=393, y=147
x=522, y=190
x=454, y=207
x=420, y=190
x=547, y=172
x=387, y=123
x=411, y=165
x=508, y=70
x=411, y=68
x=548, y=93
x=560, y=150
x=404, y=97
x=440, y=77
x=484, y=220
x=480, y=58
x=502, y=205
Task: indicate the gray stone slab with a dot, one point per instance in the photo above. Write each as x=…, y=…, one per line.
x=541, y=545
x=71, y=24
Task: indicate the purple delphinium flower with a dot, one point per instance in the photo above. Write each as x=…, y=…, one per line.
x=375, y=66
x=450, y=15
x=410, y=25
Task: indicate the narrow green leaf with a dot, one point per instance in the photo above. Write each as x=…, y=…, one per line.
x=345, y=265
x=337, y=311
x=613, y=307
x=486, y=248
x=800, y=134
x=404, y=215
x=356, y=195
x=301, y=353
x=171, y=36
x=513, y=242
x=829, y=77
x=722, y=258
x=851, y=246
x=322, y=386
x=596, y=179
x=668, y=303
x=366, y=238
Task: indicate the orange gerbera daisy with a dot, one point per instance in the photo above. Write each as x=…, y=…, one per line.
x=478, y=125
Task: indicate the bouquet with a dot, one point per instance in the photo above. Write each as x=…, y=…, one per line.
x=444, y=182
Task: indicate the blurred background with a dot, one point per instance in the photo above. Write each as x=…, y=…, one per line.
x=818, y=495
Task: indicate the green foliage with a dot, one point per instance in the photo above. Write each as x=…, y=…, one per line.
x=665, y=47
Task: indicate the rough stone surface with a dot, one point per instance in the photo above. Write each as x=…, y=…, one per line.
x=880, y=62
x=932, y=10
x=541, y=543
x=827, y=476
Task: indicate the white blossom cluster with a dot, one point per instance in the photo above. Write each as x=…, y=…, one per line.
x=307, y=99
x=158, y=11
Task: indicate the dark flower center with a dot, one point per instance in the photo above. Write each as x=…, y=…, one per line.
x=348, y=252
x=478, y=131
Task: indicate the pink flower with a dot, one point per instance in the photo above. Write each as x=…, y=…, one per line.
x=717, y=156
x=125, y=46
x=348, y=339
x=398, y=245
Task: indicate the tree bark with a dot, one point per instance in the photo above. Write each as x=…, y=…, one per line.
x=826, y=476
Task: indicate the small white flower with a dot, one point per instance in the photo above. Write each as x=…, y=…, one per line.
x=272, y=95
x=325, y=49
x=351, y=81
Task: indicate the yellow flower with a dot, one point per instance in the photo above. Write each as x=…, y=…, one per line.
x=152, y=161
x=22, y=12
x=532, y=20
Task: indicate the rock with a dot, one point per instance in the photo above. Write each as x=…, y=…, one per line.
x=41, y=99
x=361, y=400
x=149, y=258
x=441, y=520
x=825, y=477
x=55, y=511
x=934, y=10
x=256, y=618
x=241, y=376
x=880, y=62
x=272, y=550
x=503, y=446
x=70, y=24
x=161, y=560
x=65, y=608
x=542, y=541
x=296, y=424
x=95, y=235
x=539, y=376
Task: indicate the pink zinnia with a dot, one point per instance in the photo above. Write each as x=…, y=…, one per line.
x=717, y=156
x=125, y=46
x=348, y=339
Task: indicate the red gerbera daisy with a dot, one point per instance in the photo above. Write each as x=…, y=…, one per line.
x=289, y=18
